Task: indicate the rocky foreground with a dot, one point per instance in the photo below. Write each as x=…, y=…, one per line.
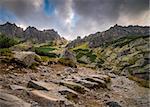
x=61, y=86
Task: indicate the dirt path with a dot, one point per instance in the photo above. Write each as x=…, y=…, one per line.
x=121, y=93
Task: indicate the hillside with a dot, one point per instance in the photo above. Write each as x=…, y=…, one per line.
x=115, y=32
x=106, y=69
x=30, y=33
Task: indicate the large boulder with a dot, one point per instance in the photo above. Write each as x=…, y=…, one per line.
x=47, y=99
x=68, y=55
x=7, y=100
x=84, y=59
x=26, y=58
x=74, y=86
x=39, y=85
x=68, y=58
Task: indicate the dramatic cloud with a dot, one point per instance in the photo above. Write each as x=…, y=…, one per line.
x=72, y=18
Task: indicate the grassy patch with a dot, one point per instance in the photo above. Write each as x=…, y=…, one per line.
x=46, y=51
x=6, y=42
x=82, y=46
x=85, y=52
x=5, y=52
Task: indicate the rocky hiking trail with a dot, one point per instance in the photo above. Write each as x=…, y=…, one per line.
x=61, y=86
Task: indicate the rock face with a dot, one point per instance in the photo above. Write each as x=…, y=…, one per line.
x=40, y=36
x=68, y=58
x=116, y=32
x=31, y=33
x=7, y=100
x=11, y=30
x=66, y=92
x=68, y=55
x=26, y=58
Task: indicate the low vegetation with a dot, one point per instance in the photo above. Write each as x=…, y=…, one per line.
x=46, y=51
x=6, y=42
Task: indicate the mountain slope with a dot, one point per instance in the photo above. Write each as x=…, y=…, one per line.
x=31, y=33
x=116, y=32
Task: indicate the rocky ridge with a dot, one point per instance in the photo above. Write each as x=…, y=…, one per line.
x=101, y=38
x=30, y=33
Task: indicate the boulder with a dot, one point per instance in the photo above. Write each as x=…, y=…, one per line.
x=68, y=55
x=26, y=58
x=100, y=82
x=17, y=87
x=84, y=59
x=47, y=99
x=113, y=104
x=87, y=84
x=39, y=85
x=70, y=94
x=7, y=100
x=67, y=58
x=74, y=86
x=106, y=78
x=70, y=70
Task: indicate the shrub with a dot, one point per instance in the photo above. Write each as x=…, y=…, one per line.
x=44, y=51
x=6, y=42
x=5, y=52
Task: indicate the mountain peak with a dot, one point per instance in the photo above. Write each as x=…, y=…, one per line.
x=9, y=24
x=115, y=32
x=32, y=33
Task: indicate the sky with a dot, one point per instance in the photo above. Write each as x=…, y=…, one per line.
x=72, y=18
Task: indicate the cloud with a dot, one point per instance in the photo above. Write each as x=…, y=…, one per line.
x=72, y=18
x=22, y=8
x=98, y=15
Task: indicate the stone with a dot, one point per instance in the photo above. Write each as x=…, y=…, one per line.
x=47, y=99
x=67, y=58
x=70, y=94
x=74, y=86
x=17, y=87
x=39, y=85
x=87, y=84
x=85, y=59
x=7, y=100
x=50, y=99
x=68, y=55
x=100, y=82
x=10, y=67
x=69, y=70
x=113, y=104
x=102, y=77
x=112, y=75
x=26, y=58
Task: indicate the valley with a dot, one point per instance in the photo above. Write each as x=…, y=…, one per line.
x=105, y=69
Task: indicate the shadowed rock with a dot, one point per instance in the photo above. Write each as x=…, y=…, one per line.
x=7, y=100
x=46, y=99
x=74, y=86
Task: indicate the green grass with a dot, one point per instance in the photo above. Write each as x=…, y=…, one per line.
x=46, y=51
x=5, y=52
x=6, y=42
x=123, y=41
x=87, y=52
x=82, y=46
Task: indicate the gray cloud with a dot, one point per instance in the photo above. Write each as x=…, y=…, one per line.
x=78, y=17
x=97, y=15
x=21, y=8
